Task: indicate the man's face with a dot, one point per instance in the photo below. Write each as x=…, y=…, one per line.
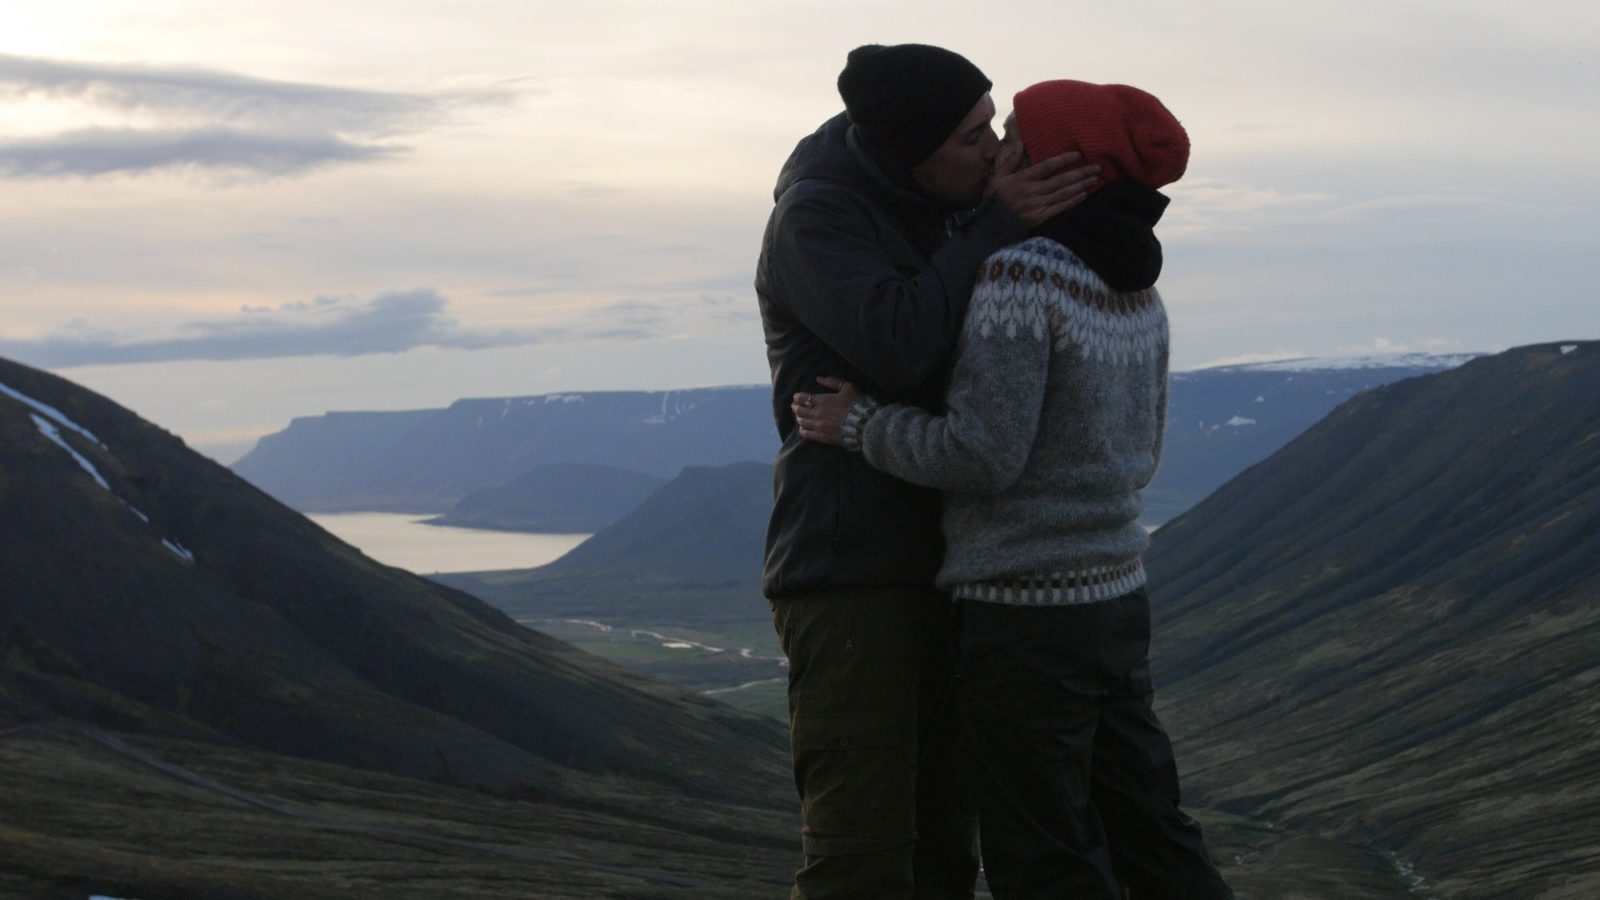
x=958, y=172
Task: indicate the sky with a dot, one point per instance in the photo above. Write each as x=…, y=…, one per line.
x=225, y=215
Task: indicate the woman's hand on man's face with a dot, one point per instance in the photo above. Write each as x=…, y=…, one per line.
x=820, y=417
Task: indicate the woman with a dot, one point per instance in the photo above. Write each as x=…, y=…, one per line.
x=1053, y=425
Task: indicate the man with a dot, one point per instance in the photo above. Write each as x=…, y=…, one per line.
x=867, y=265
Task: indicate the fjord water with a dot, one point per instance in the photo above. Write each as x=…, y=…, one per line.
x=402, y=540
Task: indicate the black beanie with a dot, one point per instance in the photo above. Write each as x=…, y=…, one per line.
x=906, y=99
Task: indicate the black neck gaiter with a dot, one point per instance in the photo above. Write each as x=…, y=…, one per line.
x=1113, y=232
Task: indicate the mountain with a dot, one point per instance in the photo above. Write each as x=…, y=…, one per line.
x=147, y=590
x=427, y=462
x=691, y=552
x=1389, y=633
x=671, y=590
x=347, y=444
x=561, y=499
x=708, y=525
x=1220, y=422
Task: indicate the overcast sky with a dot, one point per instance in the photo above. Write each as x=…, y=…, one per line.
x=224, y=215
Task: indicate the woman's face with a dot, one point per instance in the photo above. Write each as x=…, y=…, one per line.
x=1012, y=142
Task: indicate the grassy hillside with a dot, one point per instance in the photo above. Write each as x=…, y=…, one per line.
x=1389, y=631
x=82, y=816
x=164, y=601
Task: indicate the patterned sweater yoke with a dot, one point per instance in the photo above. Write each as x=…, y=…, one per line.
x=1053, y=425
x=1040, y=286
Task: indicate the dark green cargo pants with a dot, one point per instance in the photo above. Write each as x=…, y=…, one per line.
x=887, y=811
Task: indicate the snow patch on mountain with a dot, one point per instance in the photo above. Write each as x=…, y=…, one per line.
x=1237, y=421
x=50, y=412
x=672, y=406
x=49, y=430
x=50, y=421
x=1568, y=348
x=1438, y=362
x=178, y=550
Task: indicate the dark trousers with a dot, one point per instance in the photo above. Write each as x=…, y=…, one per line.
x=1076, y=782
x=887, y=815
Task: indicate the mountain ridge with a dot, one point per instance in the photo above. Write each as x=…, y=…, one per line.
x=442, y=456
x=1388, y=629
x=1220, y=421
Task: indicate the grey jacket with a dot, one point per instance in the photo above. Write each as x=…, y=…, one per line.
x=1054, y=423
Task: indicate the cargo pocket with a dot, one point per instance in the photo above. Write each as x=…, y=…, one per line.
x=857, y=779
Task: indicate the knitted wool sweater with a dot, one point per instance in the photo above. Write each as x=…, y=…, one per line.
x=1054, y=423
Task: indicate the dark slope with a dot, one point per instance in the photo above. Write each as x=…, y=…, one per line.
x=707, y=525
x=88, y=814
x=281, y=637
x=1390, y=630
x=563, y=499
x=690, y=553
x=1223, y=420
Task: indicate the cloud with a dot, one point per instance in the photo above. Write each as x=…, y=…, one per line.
x=1204, y=207
x=633, y=314
x=735, y=309
x=213, y=95
x=1442, y=201
x=389, y=323
x=734, y=282
x=1420, y=345
x=1214, y=210
x=109, y=151
x=1244, y=359
x=203, y=119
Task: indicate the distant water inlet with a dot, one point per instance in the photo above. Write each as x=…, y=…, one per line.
x=401, y=540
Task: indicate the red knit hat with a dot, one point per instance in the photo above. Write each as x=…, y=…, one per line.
x=1123, y=129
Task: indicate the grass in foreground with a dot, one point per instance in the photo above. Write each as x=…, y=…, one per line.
x=80, y=819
